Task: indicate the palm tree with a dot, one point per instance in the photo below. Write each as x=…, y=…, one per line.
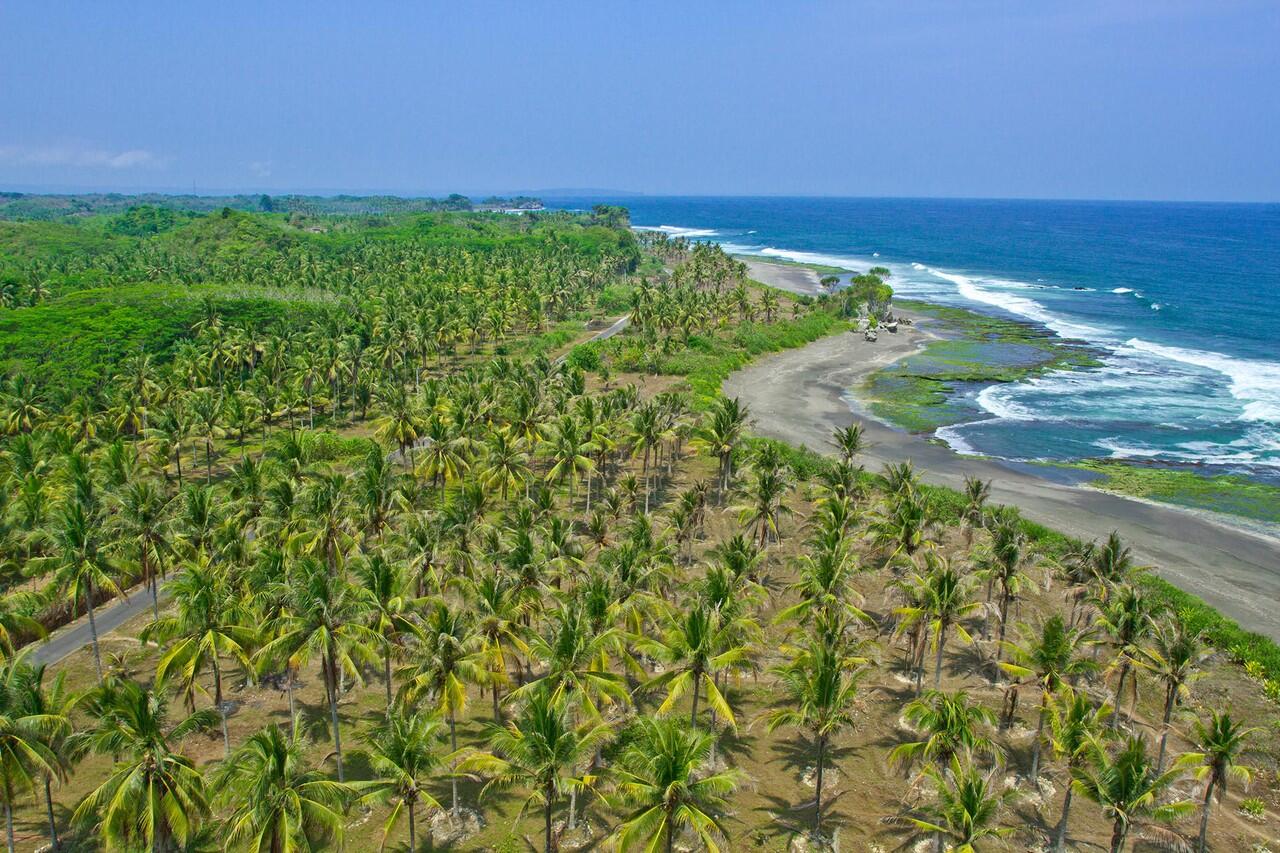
x=26, y=734
x=1005, y=566
x=695, y=648
x=1128, y=788
x=950, y=725
x=663, y=775
x=540, y=750
x=849, y=442
x=1051, y=658
x=1221, y=741
x=976, y=493
x=54, y=703
x=1127, y=620
x=722, y=434
x=153, y=797
x=576, y=659
x=1076, y=727
x=142, y=525
x=322, y=615
x=209, y=624
x=404, y=751
x=1174, y=658
x=389, y=606
x=942, y=599
x=277, y=803
x=506, y=464
x=821, y=690
x=80, y=566
x=442, y=458
x=500, y=609
x=446, y=660
x=963, y=816
x=569, y=452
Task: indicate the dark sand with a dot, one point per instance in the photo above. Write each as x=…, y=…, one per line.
x=800, y=396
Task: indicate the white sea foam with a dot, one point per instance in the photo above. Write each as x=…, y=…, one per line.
x=1156, y=306
x=1020, y=306
x=1122, y=290
x=682, y=231
x=951, y=435
x=1256, y=384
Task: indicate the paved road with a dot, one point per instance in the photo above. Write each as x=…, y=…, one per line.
x=109, y=617
x=75, y=636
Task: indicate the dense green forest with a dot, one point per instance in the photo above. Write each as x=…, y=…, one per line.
x=433, y=530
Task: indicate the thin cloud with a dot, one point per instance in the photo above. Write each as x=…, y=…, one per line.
x=261, y=168
x=77, y=156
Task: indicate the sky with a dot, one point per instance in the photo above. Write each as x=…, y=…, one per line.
x=1158, y=99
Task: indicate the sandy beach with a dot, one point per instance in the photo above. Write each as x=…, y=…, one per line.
x=800, y=396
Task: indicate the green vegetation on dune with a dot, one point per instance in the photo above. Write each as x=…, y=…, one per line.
x=924, y=391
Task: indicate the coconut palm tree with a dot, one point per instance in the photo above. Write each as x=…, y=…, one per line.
x=722, y=434
x=1005, y=566
x=1220, y=741
x=277, y=803
x=322, y=615
x=446, y=658
x=963, y=816
x=405, y=752
x=976, y=493
x=694, y=649
x=142, y=531
x=1076, y=727
x=52, y=702
x=500, y=611
x=153, y=797
x=821, y=688
x=26, y=737
x=1127, y=618
x=541, y=750
x=210, y=623
x=569, y=452
x=663, y=776
x=1051, y=658
x=80, y=565
x=942, y=599
x=849, y=442
x=389, y=606
x=1174, y=658
x=950, y=724
x=506, y=464
x=1126, y=785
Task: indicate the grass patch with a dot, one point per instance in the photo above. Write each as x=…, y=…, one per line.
x=1224, y=493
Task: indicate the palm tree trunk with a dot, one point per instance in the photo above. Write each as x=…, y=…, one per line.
x=8, y=816
x=93, y=630
x=331, y=676
x=547, y=824
x=288, y=686
x=1035, y=746
x=1204, y=813
x=937, y=663
x=453, y=746
x=413, y=831
x=48, y=810
x=1170, y=697
x=1118, y=833
x=1060, y=840
x=217, y=704
x=822, y=755
x=386, y=673
x=1124, y=674
x=693, y=711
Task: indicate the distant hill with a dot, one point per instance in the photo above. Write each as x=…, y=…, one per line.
x=52, y=206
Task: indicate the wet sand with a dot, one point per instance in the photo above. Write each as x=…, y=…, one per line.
x=800, y=396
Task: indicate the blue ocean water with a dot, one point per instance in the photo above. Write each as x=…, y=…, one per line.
x=1183, y=300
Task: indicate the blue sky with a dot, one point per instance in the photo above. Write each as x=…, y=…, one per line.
x=1157, y=99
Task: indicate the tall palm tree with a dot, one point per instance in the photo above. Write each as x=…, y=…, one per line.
x=576, y=662
x=1076, y=727
x=1051, y=658
x=963, y=816
x=141, y=523
x=277, y=803
x=500, y=610
x=821, y=689
x=506, y=464
x=942, y=599
x=80, y=564
x=1221, y=742
x=389, y=606
x=663, y=776
x=722, y=434
x=569, y=452
x=446, y=659
x=1005, y=565
x=322, y=616
x=210, y=623
x=1128, y=788
x=52, y=702
x=976, y=493
x=542, y=751
x=950, y=724
x=153, y=797
x=694, y=649
x=26, y=734
x=405, y=753
x=1127, y=618
x=1174, y=658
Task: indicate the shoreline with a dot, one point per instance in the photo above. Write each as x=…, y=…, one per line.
x=799, y=396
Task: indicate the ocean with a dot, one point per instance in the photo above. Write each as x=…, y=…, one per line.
x=1182, y=300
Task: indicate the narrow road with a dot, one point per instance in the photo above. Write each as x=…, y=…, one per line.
x=76, y=635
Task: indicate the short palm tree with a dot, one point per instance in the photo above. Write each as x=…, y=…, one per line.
x=1051, y=658
x=52, y=702
x=405, y=752
x=694, y=650
x=942, y=599
x=964, y=815
x=1076, y=727
x=277, y=802
x=80, y=564
x=821, y=690
x=849, y=442
x=1127, y=620
x=26, y=737
x=1174, y=657
x=1128, y=788
x=153, y=797
x=541, y=750
x=1220, y=741
x=663, y=776
x=976, y=493
x=951, y=725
